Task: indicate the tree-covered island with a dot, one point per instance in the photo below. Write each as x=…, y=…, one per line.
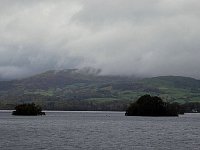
x=28, y=110
x=152, y=106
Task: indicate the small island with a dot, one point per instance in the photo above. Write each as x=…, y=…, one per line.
x=28, y=110
x=152, y=106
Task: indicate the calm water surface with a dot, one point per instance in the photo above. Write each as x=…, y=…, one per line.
x=98, y=131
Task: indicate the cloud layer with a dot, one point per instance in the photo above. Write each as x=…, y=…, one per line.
x=145, y=38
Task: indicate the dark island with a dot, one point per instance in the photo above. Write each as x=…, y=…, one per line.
x=28, y=110
x=152, y=106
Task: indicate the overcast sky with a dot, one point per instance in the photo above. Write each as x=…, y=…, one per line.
x=123, y=37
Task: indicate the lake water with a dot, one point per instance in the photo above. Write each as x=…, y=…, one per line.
x=98, y=131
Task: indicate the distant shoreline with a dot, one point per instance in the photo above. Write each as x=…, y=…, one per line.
x=67, y=111
x=10, y=111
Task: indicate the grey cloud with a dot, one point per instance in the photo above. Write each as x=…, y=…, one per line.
x=145, y=38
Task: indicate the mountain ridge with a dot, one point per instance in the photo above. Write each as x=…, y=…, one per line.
x=59, y=89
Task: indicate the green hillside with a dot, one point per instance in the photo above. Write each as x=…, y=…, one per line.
x=176, y=88
x=76, y=90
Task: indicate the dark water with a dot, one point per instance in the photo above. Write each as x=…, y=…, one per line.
x=98, y=130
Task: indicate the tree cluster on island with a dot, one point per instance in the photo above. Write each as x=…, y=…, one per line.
x=153, y=106
x=28, y=110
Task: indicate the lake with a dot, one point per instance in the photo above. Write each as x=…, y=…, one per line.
x=98, y=130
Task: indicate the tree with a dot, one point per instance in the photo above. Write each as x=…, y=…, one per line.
x=151, y=106
x=28, y=110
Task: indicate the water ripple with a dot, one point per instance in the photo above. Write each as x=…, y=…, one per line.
x=98, y=130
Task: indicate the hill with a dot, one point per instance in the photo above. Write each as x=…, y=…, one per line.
x=176, y=88
x=73, y=89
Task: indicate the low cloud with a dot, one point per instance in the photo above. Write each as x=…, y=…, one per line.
x=144, y=38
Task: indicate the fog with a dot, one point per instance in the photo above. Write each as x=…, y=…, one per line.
x=132, y=37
